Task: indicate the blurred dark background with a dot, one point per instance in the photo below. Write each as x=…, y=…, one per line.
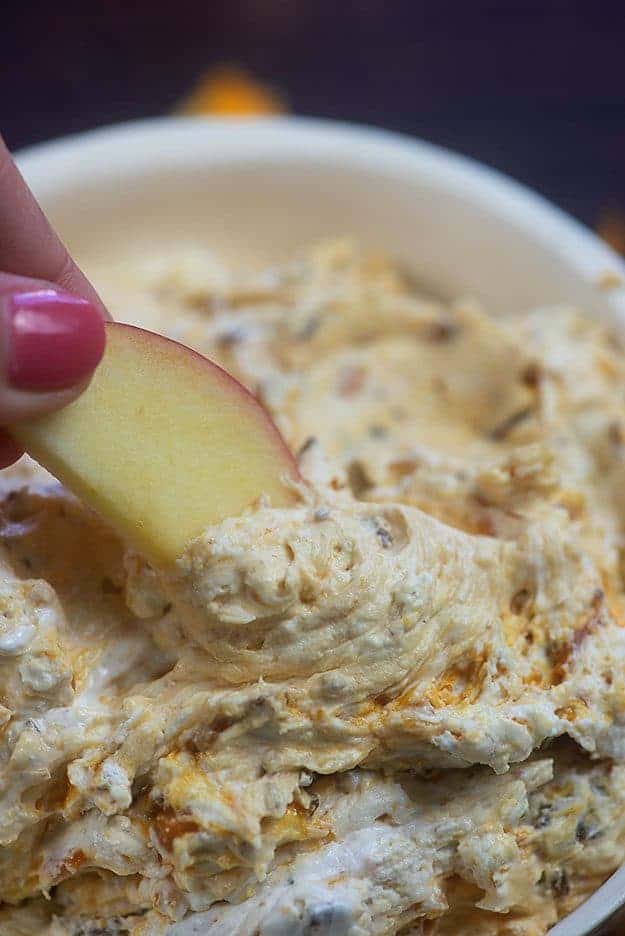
x=536, y=89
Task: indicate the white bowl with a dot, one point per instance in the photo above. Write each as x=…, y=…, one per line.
x=260, y=189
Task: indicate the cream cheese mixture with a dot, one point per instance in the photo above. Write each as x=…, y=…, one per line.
x=397, y=706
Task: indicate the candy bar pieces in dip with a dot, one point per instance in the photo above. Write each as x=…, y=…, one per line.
x=395, y=704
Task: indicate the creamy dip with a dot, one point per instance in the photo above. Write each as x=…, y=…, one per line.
x=398, y=705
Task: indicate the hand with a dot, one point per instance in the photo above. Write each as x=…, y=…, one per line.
x=51, y=318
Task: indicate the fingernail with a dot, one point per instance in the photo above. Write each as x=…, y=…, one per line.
x=55, y=340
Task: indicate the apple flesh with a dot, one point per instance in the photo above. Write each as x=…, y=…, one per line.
x=162, y=443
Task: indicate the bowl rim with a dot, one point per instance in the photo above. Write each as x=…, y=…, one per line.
x=119, y=150
x=133, y=147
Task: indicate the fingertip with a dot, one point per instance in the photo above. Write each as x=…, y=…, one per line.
x=55, y=339
x=73, y=280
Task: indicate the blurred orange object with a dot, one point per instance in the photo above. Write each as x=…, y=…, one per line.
x=231, y=90
x=611, y=228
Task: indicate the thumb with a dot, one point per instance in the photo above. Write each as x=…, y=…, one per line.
x=50, y=343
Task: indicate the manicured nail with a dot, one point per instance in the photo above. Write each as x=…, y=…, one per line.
x=55, y=340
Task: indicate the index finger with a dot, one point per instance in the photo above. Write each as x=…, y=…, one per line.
x=28, y=244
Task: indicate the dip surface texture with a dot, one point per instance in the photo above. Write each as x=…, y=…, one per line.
x=395, y=707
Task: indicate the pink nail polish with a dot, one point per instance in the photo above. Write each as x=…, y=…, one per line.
x=55, y=339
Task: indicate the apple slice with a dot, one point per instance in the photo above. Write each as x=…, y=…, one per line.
x=162, y=443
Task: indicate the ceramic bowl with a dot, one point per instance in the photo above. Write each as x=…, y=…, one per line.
x=261, y=189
